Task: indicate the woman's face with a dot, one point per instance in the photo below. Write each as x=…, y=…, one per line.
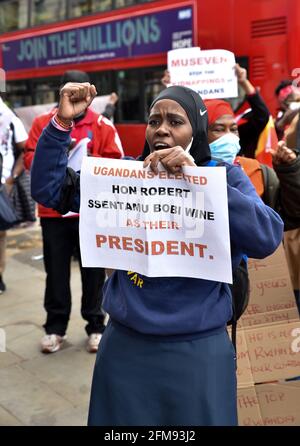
x=224, y=124
x=168, y=126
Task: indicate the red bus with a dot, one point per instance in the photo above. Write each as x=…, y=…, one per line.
x=124, y=49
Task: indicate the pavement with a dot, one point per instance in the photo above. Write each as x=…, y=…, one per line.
x=38, y=389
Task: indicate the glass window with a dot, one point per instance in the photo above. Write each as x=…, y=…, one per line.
x=18, y=93
x=46, y=93
x=44, y=11
x=13, y=15
x=152, y=87
x=102, y=5
x=102, y=81
x=124, y=3
x=83, y=7
x=128, y=89
x=80, y=7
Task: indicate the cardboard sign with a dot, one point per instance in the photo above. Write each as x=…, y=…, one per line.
x=274, y=404
x=156, y=225
x=210, y=73
x=268, y=353
x=271, y=294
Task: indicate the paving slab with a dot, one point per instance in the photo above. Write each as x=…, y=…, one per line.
x=30, y=400
x=7, y=419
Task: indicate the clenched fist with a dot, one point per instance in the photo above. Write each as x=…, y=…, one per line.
x=74, y=99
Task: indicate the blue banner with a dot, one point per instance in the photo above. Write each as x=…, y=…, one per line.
x=142, y=35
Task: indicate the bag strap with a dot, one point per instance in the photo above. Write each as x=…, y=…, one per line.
x=271, y=183
x=1, y=167
x=233, y=334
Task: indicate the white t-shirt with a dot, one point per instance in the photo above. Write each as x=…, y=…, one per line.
x=6, y=146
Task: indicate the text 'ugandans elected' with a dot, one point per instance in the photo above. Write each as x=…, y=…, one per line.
x=157, y=247
x=148, y=174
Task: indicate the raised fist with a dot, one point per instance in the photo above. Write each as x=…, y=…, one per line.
x=74, y=99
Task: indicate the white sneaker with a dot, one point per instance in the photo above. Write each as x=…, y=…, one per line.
x=93, y=342
x=51, y=343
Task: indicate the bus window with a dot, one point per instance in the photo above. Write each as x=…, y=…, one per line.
x=44, y=11
x=77, y=8
x=19, y=93
x=45, y=91
x=128, y=88
x=152, y=87
x=123, y=3
x=102, y=81
x=13, y=15
x=44, y=95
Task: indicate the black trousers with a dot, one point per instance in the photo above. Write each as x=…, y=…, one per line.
x=60, y=240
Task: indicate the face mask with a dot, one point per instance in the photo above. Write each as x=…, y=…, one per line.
x=226, y=148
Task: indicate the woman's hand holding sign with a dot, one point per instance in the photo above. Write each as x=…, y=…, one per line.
x=74, y=100
x=172, y=159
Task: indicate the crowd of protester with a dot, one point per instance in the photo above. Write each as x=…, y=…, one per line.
x=141, y=347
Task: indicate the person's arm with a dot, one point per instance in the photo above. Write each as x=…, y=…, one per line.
x=49, y=168
x=50, y=176
x=259, y=116
x=286, y=163
x=110, y=107
x=291, y=134
x=255, y=229
x=286, y=119
x=19, y=137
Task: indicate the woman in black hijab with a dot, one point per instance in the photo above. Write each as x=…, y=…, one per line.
x=165, y=358
x=196, y=113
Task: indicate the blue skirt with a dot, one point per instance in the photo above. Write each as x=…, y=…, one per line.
x=142, y=382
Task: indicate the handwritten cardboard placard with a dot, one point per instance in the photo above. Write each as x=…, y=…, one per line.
x=274, y=404
x=271, y=293
x=268, y=353
x=253, y=318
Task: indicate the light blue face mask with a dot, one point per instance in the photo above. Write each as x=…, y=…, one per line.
x=226, y=148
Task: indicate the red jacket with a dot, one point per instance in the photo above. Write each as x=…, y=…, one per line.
x=105, y=141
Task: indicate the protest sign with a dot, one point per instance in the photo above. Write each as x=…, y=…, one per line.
x=156, y=225
x=210, y=73
x=275, y=404
x=272, y=298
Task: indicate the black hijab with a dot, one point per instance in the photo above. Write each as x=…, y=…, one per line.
x=196, y=111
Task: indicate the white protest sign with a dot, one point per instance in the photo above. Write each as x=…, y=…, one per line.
x=29, y=112
x=156, y=225
x=75, y=157
x=210, y=72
